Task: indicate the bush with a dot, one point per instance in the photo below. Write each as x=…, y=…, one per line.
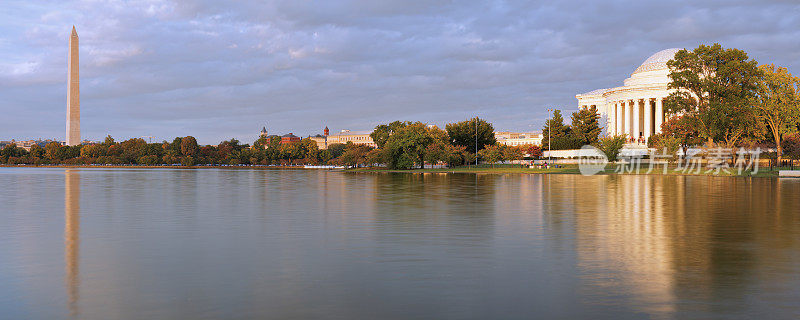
x=150, y=160
x=187, y=161
x=791, y=145
x=665, y=143
x=611, y=145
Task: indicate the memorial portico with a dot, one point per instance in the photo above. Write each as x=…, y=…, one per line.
x=635, y=109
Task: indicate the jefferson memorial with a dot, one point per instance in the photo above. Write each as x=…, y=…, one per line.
x=636, y=108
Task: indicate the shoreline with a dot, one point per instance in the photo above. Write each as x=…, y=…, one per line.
x=568, y=170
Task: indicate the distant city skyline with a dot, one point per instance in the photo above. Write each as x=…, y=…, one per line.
x=219, y=71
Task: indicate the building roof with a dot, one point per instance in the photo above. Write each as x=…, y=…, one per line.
x=289, y=135
x=658, y=60
x=351, y=133
x=594, y=92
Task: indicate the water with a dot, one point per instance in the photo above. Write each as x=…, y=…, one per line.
x=214, y=243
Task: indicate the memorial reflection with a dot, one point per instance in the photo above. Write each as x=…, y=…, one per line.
x=657, y=241
x=72, y=225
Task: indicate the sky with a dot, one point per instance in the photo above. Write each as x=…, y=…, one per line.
x=218, y=70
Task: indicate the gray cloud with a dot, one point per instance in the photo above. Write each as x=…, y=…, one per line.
x=218, y=70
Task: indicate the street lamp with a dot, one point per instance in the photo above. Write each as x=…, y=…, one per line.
x=549, y=143
x=476, y=141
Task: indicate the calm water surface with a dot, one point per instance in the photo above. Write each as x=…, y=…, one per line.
x=192, y=244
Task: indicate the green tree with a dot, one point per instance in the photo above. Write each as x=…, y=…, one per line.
x=714, y=88
x=586, y=126
x=52, y=151
x=665, y=143
x=189, y=146
x=37, y=151
x=376, y=156
x=382, y=132
x=9, y=151
x=175, y=146
x=187, y=161
x=406, y=147
x=310, y=151
x=354, y=155
x=108, y=141
x=464, y=133
x=778, y=102
x=611, y=145
x=336, y=150
x=441, y=151
x=261, y=143
x=148, y=160
x=557, y=135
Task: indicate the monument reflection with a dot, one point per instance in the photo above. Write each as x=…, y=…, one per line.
x=72, y=228
x=659, y=242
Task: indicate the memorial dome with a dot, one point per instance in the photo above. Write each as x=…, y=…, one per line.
x=657, y=61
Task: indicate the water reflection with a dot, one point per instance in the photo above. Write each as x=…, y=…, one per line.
x=72, y=228
x=670, y=245
x=323, y=244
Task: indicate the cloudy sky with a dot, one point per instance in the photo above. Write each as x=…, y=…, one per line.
x=218, y=70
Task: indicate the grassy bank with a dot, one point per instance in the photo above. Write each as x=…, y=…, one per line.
x=573, y=169
x=481, y=169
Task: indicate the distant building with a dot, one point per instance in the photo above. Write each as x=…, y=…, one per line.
x=519, y=138
x=289, y=138
x=264, y=132
x=27, y=144
x=343, y=137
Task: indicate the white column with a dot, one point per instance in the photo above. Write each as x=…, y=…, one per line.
x=628, y=119
x=648, y=118
x=620, y=118
x=636, y=113
x=659, y=114
x=617, y=118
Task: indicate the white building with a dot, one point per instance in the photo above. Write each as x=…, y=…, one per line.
x=636, y=108
x=518, y=138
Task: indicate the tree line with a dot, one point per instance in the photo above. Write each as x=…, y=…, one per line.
x=401, y=145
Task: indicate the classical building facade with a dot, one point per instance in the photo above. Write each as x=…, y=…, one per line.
x=345, y=136
x=518, y=138
x=636, y=108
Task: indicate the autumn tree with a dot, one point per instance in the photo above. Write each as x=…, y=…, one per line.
x=189, y=146
x=514, y=153
x=713, y=88
x=778, y=102
x=791, y=145
x=534, y=151
x=493, y=153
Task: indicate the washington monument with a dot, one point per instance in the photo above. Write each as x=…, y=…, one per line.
x=73, y=93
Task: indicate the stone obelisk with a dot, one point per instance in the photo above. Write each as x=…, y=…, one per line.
x=73, y=93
